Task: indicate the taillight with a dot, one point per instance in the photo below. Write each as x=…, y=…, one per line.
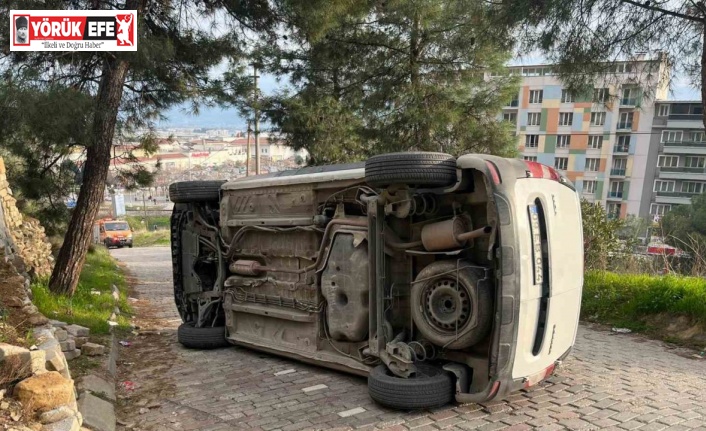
x=494, y=172
x=538, y=170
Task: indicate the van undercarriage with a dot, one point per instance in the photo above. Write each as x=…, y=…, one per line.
x=391, y=271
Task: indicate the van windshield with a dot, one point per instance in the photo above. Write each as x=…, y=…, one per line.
x=117, y=226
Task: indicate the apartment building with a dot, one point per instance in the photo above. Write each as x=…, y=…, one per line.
x=677, y=160
x=600, y=141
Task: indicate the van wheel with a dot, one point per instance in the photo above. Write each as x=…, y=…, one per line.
x=452, y=309
x=430, y=387
x=195, y=191
x=201, y=338
x=416, y=169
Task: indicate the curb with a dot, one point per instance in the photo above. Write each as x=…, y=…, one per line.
x=97, y=396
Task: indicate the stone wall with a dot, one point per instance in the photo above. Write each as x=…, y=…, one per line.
x=22, y=237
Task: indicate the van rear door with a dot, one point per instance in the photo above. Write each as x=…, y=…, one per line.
x=551, y=253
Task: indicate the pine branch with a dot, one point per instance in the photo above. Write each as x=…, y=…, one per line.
x=648, y=6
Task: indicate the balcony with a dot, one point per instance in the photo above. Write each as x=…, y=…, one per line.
x=628, y=101
x=677, y=194
x=684, y=147
x=621, y=149
x=625, y=126
x=679, y=198
x=513, y=104
x=682, y=173
x=615, y=195
x=685, y=144
x=684, y=169
x=617, y=172
x=687, y=117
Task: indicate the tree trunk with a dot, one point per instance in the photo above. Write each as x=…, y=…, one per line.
x=78, y=236
x=703, y=70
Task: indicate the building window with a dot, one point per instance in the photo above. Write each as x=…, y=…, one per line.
x=563, y=141
x=510, y=117
x=623, y=68
x=595, y=142
x=561, y=163
x=597, y=118
x=671, y=136
x=532, y=71
x=692, y=187
x=695, y=162
x=515, y=102
x=601, y=95
x=620, y=163
x=623, y=144
x=663, y=110
x=593, y=164
x=668, y=161
x=613, y=210
x=566, y=96
x=589, y=186
x=630, y=95
x=696, y=136
x=536, y=96
x=534, y=118
x=616, y=189
x=531, y=141
x=566, y=118
x=530, y=158
x=660, y=209
x=663, y=186
x=625, y=120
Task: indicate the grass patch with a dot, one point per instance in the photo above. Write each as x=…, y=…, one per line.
x=92, y=303
x=136, y=222
x=627, y=300
x=150, y=239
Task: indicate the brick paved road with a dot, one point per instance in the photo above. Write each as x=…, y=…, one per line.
x=610, y=382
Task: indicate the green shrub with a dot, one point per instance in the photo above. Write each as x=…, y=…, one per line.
x=626, y=298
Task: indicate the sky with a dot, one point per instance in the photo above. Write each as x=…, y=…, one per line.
x=216, y=117
x=230, y=118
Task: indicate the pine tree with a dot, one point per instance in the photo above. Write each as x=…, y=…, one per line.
x=588, y=38
x=399, y=75
x=179, y=43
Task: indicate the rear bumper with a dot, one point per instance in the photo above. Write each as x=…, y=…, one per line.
x=502, y=386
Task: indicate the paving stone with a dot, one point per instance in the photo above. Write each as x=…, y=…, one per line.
x=73, y=354
x=67, y=345
x=607, y=382
x=97, y=386
x=61, y=334
x=92, y=349
x=97, y=414
x=77, y=330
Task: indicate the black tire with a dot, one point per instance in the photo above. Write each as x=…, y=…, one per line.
x=195, y=191
x=417, y=169
x=201, y=338
x=469, y=302
x=432, y=387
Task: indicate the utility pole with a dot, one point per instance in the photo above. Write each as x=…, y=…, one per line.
x=257, y=125
x=247, y=157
